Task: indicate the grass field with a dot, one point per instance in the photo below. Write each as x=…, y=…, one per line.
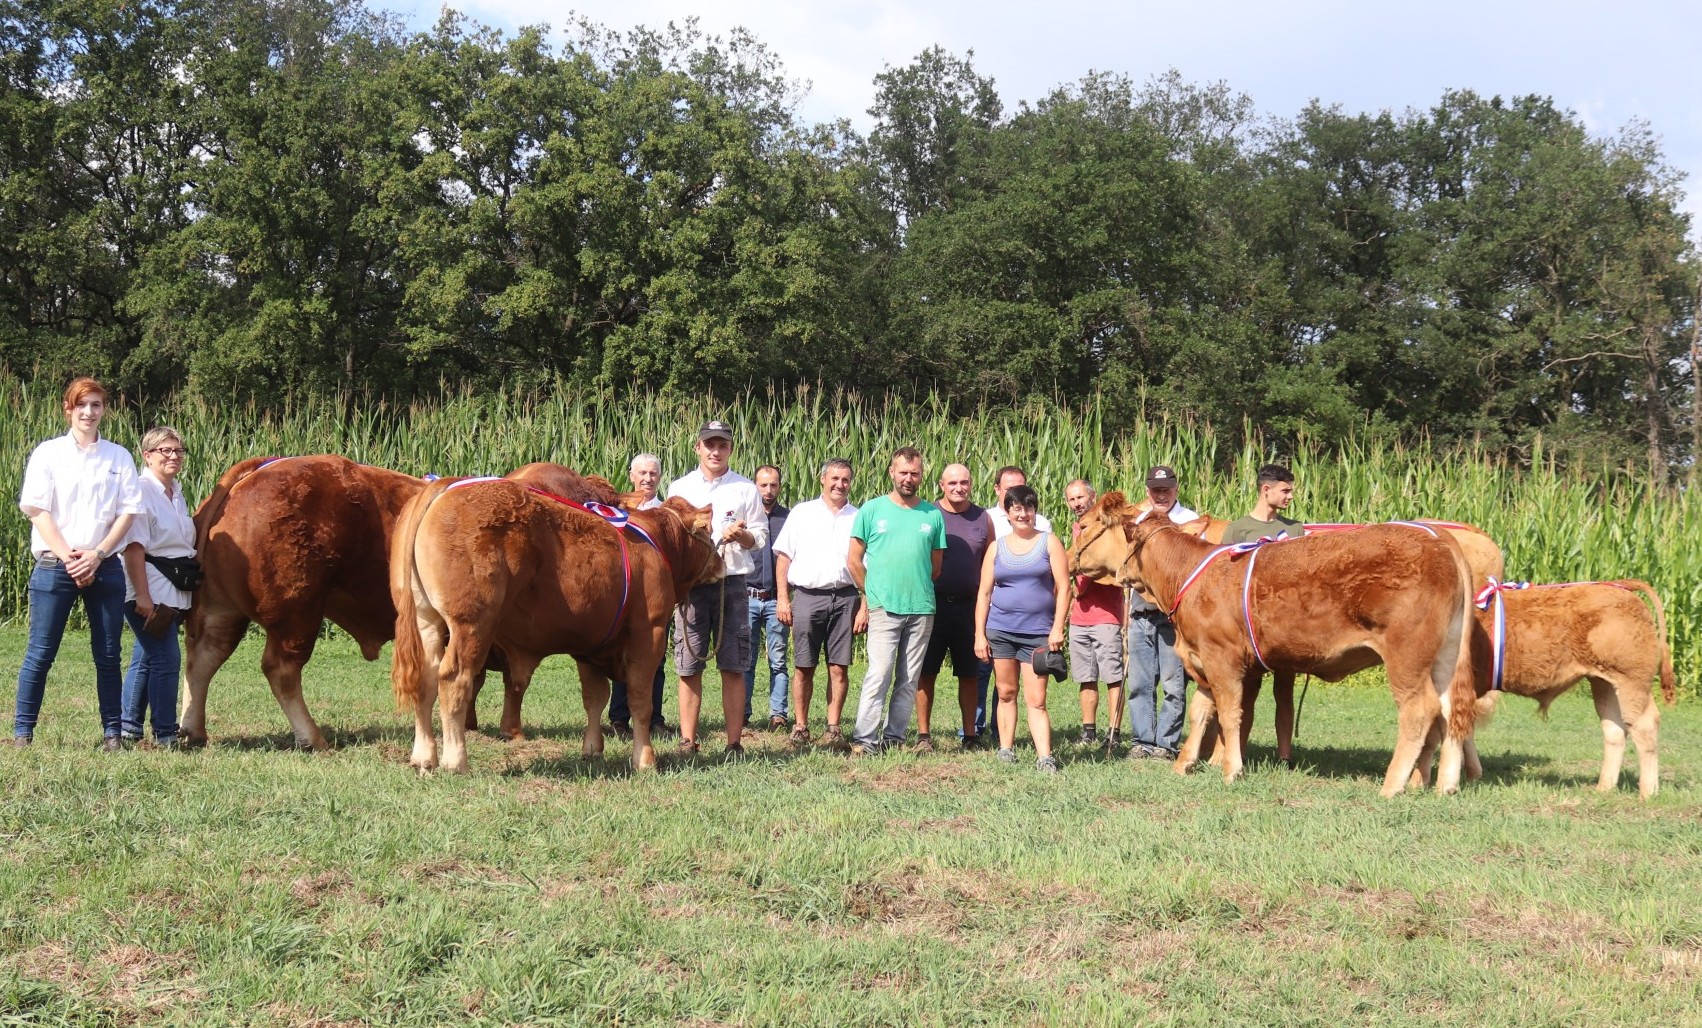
x=250, y=884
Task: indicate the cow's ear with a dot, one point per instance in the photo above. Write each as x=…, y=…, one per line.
x=1111, y=506
x=701, y=518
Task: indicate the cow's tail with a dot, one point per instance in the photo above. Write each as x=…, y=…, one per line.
x=1669, y=684
x=208, y=513
x=1462, y=687
x=408, y=653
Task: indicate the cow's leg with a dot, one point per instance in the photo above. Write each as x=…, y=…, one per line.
x=1202, y=730
x=1282, y=691
x=1645, y=732
x=594, y=692
x=1227, y=686
x=1419, y=711
x=433, y=634
x=513, y=694
x=287, y=649
x=209, y=641
x=463, y=658
x=1250, y=687
x=1613, y=732
x=472, y=722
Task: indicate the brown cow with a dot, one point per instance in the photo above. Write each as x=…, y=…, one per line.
x=1328, y=605
x=1556, y=635
x=483, y=563
x=287, y=543
x=1482, y=555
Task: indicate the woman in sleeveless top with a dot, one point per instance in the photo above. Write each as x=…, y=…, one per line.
x=1023, y=604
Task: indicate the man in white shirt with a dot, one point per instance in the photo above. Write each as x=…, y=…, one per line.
x=818, y=598
x=1152, y=647
x=1008, y=476
x=715, y=617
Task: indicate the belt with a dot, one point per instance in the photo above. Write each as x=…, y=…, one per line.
x=1150, y=615
x=762, y=594
x=829, y=591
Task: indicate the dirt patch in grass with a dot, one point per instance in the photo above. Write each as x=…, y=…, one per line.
x=928, y=777
x=311, y=890
x=296, y=1017
x=959, y=825
x=125, y=977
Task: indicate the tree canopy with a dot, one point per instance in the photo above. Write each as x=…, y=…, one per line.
x=257, y=197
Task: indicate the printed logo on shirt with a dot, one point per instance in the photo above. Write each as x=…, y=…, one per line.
x=880, y=526
x=925, y=528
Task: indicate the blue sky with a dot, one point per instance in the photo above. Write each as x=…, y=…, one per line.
x=1608, y=62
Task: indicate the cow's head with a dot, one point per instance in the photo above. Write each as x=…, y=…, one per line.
x=1102, y=548
x=702, y=562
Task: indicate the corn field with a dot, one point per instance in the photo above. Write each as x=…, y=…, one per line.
x=1554, y=525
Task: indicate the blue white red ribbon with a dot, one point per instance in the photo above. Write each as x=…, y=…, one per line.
x=1498, y=633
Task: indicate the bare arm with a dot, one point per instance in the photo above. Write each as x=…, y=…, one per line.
x=782, y=591
x=984, y=603
x=1061, y=588
x=854, y=561
x=136, y=569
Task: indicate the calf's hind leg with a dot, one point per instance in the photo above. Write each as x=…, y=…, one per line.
x=208, y=641
x=281, y=662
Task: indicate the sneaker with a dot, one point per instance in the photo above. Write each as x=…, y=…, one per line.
x=970, y=742
x=1007, y=755
x=168, y=743
x=1141, y=751
x=1160, y=753
x=777, y=722
x=1047, y=765
x=1089, y=735
x=924, y=744
x=688, y=747
x=1112, y=740
x=112, y=744
x=800, y=737
x=872, y=749
x=20, y=741
x=833, y=738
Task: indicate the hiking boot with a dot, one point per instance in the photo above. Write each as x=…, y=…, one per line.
x=1112, y=741
x=1089, y=735
x=970, y=743
x=688, y=747
x=777, y=722
x=924, y=744
x=112, y=744
x=1047, y=765
x=735, y=750
x=1007, y=755
x=872, y=749
x=832, y=738
x=20, y=741
x=800, y=737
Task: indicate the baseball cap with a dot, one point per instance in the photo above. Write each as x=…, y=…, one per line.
x=1161, y=475
x=715, y=430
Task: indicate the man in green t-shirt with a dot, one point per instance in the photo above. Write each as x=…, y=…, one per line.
x=1276, y=491
x=897, y=543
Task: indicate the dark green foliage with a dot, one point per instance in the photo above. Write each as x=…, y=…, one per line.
x=262, y=197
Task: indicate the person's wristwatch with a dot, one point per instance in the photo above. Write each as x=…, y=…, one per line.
x=100, y=554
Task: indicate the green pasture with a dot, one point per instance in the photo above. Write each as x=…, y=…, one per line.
x=249, y=884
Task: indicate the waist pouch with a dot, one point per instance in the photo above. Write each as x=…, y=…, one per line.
x=183, y=572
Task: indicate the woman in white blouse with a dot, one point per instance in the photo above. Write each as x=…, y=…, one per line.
x=80, y=494
x=163, y=529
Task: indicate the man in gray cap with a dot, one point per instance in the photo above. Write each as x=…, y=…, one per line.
x=715, y=617
x=1152, y=647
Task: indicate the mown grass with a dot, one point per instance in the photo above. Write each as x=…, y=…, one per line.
x=251, y=884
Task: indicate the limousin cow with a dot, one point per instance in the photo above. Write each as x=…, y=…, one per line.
x=289, y=542
x=1483, y=557
x=1539, y=641
x=483, y=563
x=1327, y=605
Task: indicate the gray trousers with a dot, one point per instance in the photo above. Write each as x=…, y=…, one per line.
x=897, y=644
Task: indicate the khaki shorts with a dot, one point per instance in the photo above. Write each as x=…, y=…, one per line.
x=1096, y=653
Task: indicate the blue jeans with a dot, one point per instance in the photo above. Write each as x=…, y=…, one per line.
x=1152, y=660
x=151, y=682
x=621, y=714
x=52, y=594
x=765, y=625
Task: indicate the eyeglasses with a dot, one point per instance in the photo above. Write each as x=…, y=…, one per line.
x=170, y=451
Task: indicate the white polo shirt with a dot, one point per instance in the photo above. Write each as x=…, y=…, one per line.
x=733, y=497
x=817, y=540
x=85, y=489
x=164, y=529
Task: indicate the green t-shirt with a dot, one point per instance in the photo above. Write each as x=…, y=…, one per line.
x=1249, y=528
x=899, y=562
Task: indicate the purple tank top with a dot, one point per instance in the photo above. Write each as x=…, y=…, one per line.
x=1023, y=602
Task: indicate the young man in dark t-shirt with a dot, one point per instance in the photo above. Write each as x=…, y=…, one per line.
x=969, y=531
